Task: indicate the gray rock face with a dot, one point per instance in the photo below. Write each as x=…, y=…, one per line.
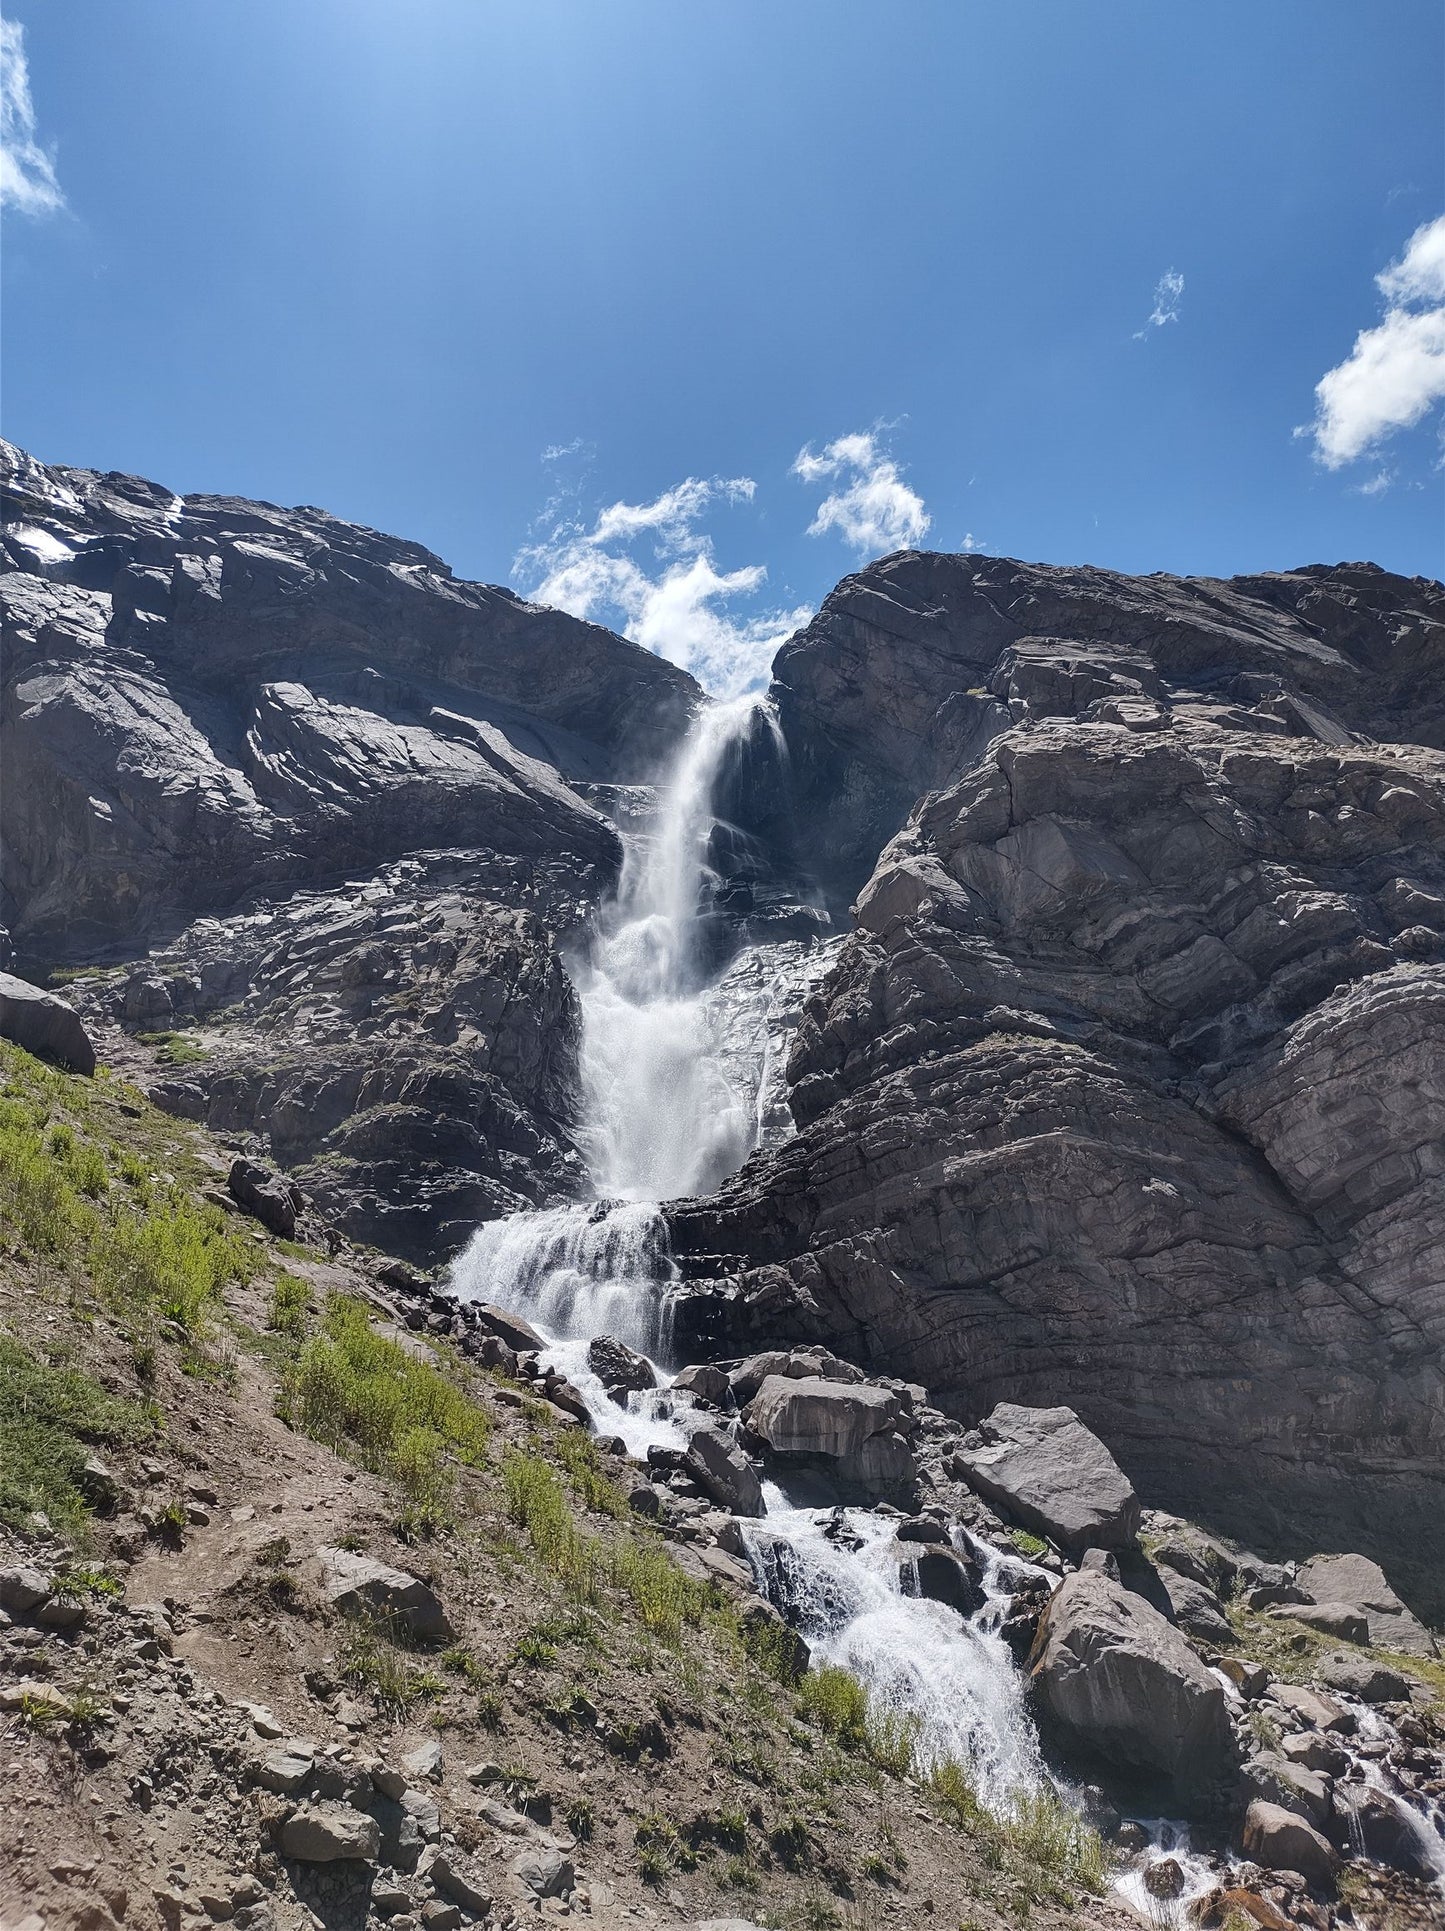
x=1101, y=1103
x=44, y=1025
x=1119, y=1682
x=263, y=1193
x=1044, y=1466
x=205, y=694
x=361, y=1584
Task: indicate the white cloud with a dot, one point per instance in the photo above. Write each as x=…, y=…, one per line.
x=556, y=452
x=1168, y=293
x=873, y=510
x=679, y=610
x=27, y=173
x=1395, y=374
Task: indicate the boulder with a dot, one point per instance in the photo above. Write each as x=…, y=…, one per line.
x=942, y=1575
x=518, y=1334
x=705, y=1383
x=22, y=1589
x=1343, y=1620
x=330, y=1834
x=286, y=1771
x=723, y=1471
x=848, y=1428
x=1362, y=1677
x=1049, y=1471
x=1195, y=1608
x=457, y=1878
x=1370, y=1821
x=1272, y=1778
x=1317, y=1712
x=619, y=1368
x=1117, y=1680
x=1282, y=1841
x=44, y=1025
x=360, y=1585
x=544, y=1871
x=1360, y=1583
x=264, y=1194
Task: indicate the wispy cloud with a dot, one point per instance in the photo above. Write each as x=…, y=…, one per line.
x=676, y=603
x=27, y=173
x=557, y=452
x=1395, y=373
x=1168, y=294
x=872, y=509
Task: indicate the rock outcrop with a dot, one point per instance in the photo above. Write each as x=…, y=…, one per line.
x=44, y=1025
x=204, y=696
x=1126, y=1091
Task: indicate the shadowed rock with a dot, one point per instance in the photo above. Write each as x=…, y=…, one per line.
x=44, y=1025
x=1044, y=1466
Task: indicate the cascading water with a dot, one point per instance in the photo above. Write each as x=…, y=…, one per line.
x=675, y=1071
x=678, y=1085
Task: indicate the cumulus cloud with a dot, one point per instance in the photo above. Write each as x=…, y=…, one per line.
x=27, y=173
x=1395, y=374
x=1168, y=293
x=674, y=603
x=872, y=509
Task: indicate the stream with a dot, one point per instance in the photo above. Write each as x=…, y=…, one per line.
x=681, y=1079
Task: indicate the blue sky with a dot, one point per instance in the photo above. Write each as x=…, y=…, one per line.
x=677, y=310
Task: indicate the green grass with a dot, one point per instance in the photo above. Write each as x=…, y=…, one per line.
x=835, y=1702
x=290, y=1304
x=49, y=1418
x=1046, y=1847
x=374, y=1664
x=174, y=1049
x=366, y=1397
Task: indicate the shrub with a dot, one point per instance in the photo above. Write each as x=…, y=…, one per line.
x=365, y=1396
x=290, y=1304
x=837, y=1704
x=48, y=1417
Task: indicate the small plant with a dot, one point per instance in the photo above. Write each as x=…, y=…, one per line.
x=661, y=1849
x=84, y=1581
x=581, y=1818
x=1263, y=1728
x=39, y=1713
x=49, y=1417
x=174, y=1049
x=489, y=1710
x=290, y=1304
x=790, y=1843
x=371, y=1661
x=534, y=1651
x=1033, y=1547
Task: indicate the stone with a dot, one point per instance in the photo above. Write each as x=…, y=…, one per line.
x=285, y=1771
x=942, y=1575
x=423, y=1763
x=1340, y=1620
x=1356, y=1582
x=723, y=1471
x=620, y=1369
x=518, y=1334
x=1363, y=1677
x=462, y=1881
x=263, y=1193
x=1054, y=1475
x=1319, y=1712
x=848, y=1428
x=1165, y=1878
x=44, y=1025
x=330, y=1833
x=22, y=1589
x=1111, y=1676
x=923, y=1528
x=704, y=1383
x=359, y=1584
x=1383, y=1831
x=544, y=1872
x=1282, y=1841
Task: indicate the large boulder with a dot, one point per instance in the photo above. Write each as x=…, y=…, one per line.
x=263, y=1193
x=1048, y=1470
x=1117, y=1681
x=848, y=1428
x=360, y=1585
x=620, y=1369
x=1282, y=1841
x=723, y=1471
x=44, y=1025
x=1354, y=1583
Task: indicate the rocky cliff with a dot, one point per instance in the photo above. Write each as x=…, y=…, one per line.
x=1128, y=1090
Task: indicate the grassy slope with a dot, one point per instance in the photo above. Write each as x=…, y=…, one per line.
x=202, y=1359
